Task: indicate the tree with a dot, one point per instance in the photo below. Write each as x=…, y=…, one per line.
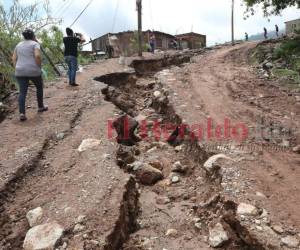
x=13, y=21
x=272, y=6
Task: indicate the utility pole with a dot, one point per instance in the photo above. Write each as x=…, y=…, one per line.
x=232, y=23
x=140, y=31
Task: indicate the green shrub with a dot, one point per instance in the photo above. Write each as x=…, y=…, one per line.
x=289, y=75
x=288, y=49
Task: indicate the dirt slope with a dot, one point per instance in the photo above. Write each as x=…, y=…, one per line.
x=41, y=166
x=221, y=85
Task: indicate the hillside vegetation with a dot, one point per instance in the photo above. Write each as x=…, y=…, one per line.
x=281, y=58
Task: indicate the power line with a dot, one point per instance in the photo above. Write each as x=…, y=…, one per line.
x=60, y=6
x=66, y=8
x=81, y=13
x=115, y=16
x=151, y=15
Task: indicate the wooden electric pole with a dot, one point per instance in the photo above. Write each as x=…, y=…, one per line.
x=232, y=23
x=140, y=31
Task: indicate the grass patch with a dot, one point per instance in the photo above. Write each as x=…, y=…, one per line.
x=287, y=74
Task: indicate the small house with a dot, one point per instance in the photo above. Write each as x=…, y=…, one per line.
x=191, y=40
x=292, y=26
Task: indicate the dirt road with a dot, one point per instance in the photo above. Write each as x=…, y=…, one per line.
x=224, y=86
x=108, y=185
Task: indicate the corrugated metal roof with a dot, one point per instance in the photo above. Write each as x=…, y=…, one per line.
x=292, y=20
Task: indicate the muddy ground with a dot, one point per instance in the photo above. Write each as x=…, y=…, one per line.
x=152, y=190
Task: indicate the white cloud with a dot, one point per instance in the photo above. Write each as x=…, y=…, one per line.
x=207, y=17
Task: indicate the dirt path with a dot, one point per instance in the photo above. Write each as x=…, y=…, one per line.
x=41, y=167
x=151, y=194
x=221, y=85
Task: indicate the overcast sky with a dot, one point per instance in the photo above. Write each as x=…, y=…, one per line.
x=211, y=18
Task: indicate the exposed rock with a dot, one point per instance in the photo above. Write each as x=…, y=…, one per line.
x=106, y=156
x=290, y=241
x=136, y=165
x=178, y=167
x=175, y=179
x=78, y=228
x=198, y=225
x=22, y=152
x=296, y=149
x=285, y=143
x=125, y=155
x=172, y=232
x=60, y=136
x=43, y=237
x=264, y=214
x=162, y=200
x=178, y=148
x=267, y=65
x=149, y=175
x=125, y=127
x=217, y=235
x=212, y=163
x=88, y=144
x=81, y=219
x=151, y=150
x=34, y=216
x=157, y=164
x=140, y=118
x=157, y=94
x=260, y=195
x=278, y=229
x=247, y=209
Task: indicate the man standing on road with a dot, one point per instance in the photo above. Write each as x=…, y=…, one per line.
x=71, y=53
x=265, y=33
x=246, y=37
x=28, y=62
x=277, y=30
x=152, y=42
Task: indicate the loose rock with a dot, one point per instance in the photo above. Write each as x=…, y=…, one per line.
x=149, y=175
x=81, y=219
x=157, y=164
x=175, y=179
x=60, y=136
x=88, y=144
x=296, y=149
x=78, y=228
x=43, y=237
x=247, y=209
x=278, y=229
x=157, y=94
x=34, y=216
x=172, y=232
x=178, y=148
x=218, y=236
x=178, y=167
x=290, y=241
x=136, y=165
x=211, y=164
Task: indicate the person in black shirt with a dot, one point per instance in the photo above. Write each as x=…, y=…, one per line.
x=71, y=53
x=265, y=33
x=277, y=30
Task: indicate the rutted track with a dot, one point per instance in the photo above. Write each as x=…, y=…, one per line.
x=134, y=95
x=67, y=183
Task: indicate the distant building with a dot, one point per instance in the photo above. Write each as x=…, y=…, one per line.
x=191, y=40
x=292, y=26
x=126, y=42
